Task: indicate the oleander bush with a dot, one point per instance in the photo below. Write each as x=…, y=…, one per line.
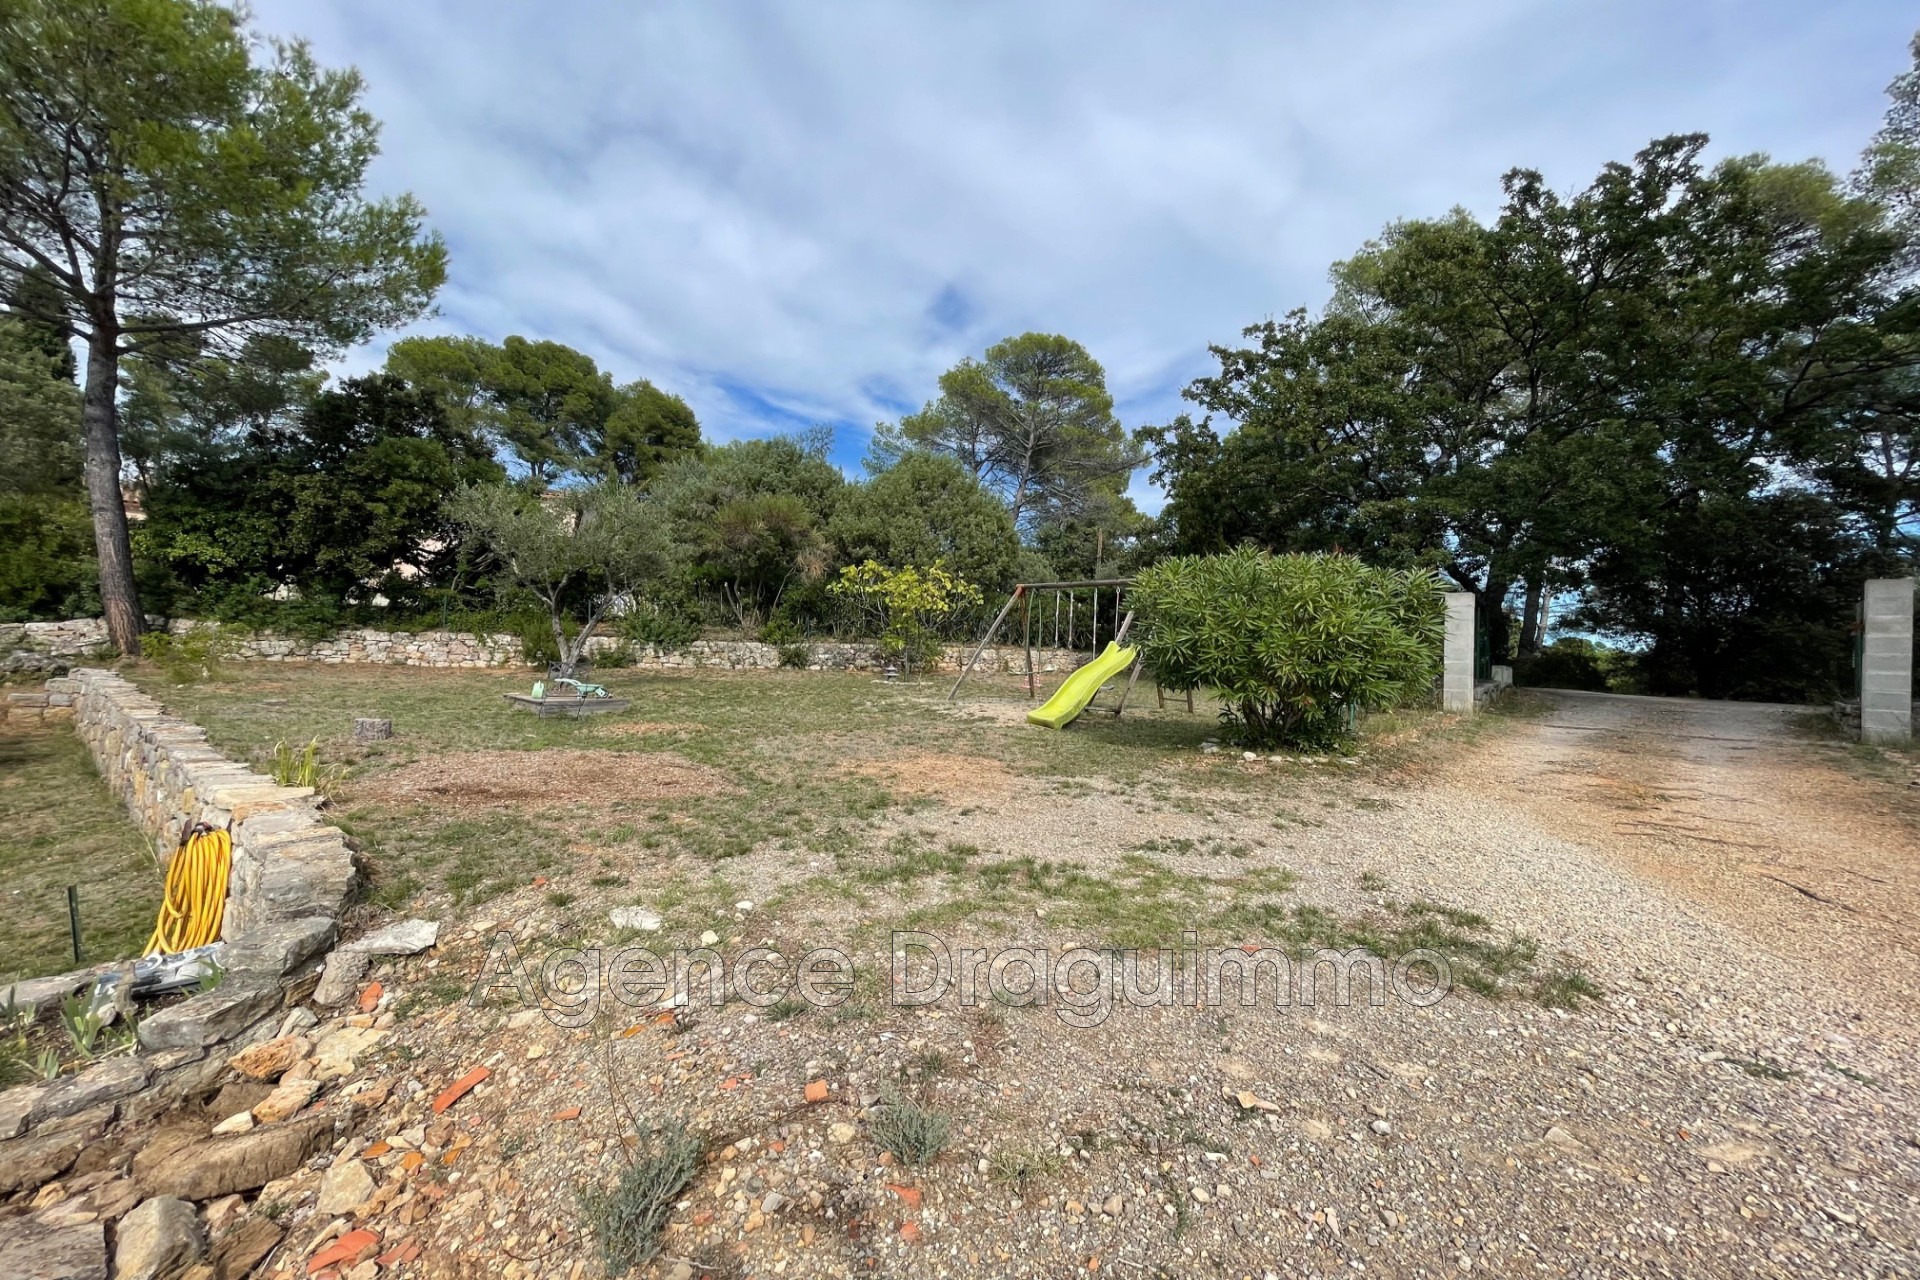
x=1294, y=645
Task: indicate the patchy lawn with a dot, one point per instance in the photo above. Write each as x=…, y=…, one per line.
x=850, y=806
x=59, y=827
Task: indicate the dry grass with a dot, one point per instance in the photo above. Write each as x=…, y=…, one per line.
x=935, y=773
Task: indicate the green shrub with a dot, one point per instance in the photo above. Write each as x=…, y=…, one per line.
x=1575, y=662
x=907, y=606
x=191, y=656
x=625, y=1220
x=1293, y=644
x=663, y=626
x=915, y=1134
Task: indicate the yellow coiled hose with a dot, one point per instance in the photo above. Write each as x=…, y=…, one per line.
x=196, y=894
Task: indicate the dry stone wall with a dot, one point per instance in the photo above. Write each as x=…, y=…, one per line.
x=292, y=876
x=33, y=643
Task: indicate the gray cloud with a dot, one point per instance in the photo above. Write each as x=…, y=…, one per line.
x=805, y=212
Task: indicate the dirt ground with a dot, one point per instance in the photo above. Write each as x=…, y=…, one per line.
x=1678, y=1040
x=1740, y=1100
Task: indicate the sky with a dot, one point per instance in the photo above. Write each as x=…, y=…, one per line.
x=798, y=214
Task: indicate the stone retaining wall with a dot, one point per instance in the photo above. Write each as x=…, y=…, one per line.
x=292, y=875
x=84, y=636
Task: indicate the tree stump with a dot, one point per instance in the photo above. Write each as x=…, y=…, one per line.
x=370, y=730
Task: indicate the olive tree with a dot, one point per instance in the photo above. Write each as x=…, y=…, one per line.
x=158, y=182
x=1290, y=643
x=580, y=552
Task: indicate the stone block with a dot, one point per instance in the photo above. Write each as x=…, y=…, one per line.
x=211, y=1018
x=30, y=1250
x=101, y=1082
x=279, y=947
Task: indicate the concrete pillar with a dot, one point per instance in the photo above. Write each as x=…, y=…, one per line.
x=1886, y=662
x=1456, y=655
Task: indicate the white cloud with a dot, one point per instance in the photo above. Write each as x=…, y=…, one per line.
x=805, y=211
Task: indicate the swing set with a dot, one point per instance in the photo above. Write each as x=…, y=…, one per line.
x=1066, y=626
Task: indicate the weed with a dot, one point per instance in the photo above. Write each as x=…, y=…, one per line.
x=785, y=1007
x=1763, y=1068
x=300, y=767
x=81, y=1023
x=625, y=1220
x=212, y=975
x=1565, y=989
x=1019, y=1165
x=915, y=1134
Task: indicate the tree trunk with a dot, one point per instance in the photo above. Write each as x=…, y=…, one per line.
x=1530, y=620
x=1492, y=605
x=112, y=548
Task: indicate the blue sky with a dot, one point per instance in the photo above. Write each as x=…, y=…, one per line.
x=802, y=213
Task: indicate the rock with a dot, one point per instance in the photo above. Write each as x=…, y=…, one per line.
x=338, y=1052
x=39, y=1158
x=298, y=1020
x=102, y=1082
x=223, y=1213
x=270, y=1059
x=277, y=947
x=94, y=1119
x=345, y=1187
x=285, y=1101
x=402, y=938
x=842, y=1132
x=634, y=918
x=1115, y=1205
x=159, y=1238
x=15, y=1106
x=239, y=1095
x=709, y=939
x=206, y=1019
x=1202, y=1196
x=340, y=980
x=1381, y=1127
x=773, y=1203
x=240, y=1250
x=240, y=1162
x=1558, y=1137
x=31, y=1251
x=238, y=1122
x=371, y=729
x=110, y=1200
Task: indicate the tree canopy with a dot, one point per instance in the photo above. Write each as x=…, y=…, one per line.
x=1032, y=421
x=156, y=181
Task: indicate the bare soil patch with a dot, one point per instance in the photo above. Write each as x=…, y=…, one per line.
x=553, y=776
x=935, y=773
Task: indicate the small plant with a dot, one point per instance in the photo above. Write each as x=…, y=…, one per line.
x=1019, y=1165
x=82, y=1024
x=785, y=1007
x=915, y=1134
x=212, y=974
x=626, y=1219
x=16, y=1059
x=189, y=657
x=908, y=604
x=47, y=1064
x=296, y=767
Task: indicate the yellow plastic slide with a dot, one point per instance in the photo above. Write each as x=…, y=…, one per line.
x=1071, y=698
